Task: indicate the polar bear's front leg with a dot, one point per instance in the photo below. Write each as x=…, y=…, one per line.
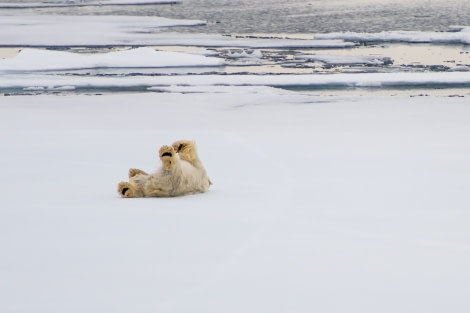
x=168, y=157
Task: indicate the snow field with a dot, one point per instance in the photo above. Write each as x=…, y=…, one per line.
x=319, y=204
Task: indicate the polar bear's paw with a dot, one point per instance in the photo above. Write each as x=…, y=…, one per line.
x=125, y=190
x=168, y=157
x=181, y=145
x=186, y=150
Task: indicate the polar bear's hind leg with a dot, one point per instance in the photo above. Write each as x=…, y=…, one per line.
x=135, y=171
x=126, y=190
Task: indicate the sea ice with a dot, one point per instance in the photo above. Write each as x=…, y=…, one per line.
x=244, y=54
x=368, y=213
x=70, y=3
x=334, y=59
x=58, y=30
x=46, y=60
x=457, y=36
x=54, y=30
x=10, y=81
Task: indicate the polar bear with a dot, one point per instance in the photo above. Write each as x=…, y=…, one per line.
x=180, y=175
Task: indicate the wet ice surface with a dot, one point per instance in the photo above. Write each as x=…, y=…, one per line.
x=222, y=31
x=103, y=66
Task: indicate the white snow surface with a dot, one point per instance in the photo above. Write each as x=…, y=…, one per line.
x=368, y=211
x=45, y=60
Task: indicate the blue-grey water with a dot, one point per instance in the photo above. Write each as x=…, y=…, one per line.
x=308, y=17
x=297, y=16
x=320, y=16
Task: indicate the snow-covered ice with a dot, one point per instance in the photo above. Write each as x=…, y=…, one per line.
x=319, y=204
x=70, y=3
x=29, y=70
x=456, y=35
x=335, y=59
x=59, y=30
x=385, y=80
x=244, y=54
x=46, y=60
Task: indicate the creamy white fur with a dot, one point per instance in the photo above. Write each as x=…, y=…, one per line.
x=181, y=173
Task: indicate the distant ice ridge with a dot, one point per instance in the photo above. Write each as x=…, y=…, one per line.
x=456, y=35
x=245, y=54
x=46, y=60
x=68, y=3
x=334, y=59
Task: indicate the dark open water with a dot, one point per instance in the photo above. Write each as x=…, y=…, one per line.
x=320, y=16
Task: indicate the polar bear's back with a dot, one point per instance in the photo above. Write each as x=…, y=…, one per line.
x=192, y=180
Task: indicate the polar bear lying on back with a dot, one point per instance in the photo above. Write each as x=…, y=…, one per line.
x=179, y=175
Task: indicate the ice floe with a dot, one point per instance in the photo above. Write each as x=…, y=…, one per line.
x=56, y=30
x=60, y=30
x=45, y=60
x=458, y=35
x=245, y=54
x=70, y=3
x=372, y=80
x=334, y=59
x=30, y=69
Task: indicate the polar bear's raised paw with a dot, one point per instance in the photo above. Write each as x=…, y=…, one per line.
x=180, y=145
x=167, y=155
x=186, y=150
